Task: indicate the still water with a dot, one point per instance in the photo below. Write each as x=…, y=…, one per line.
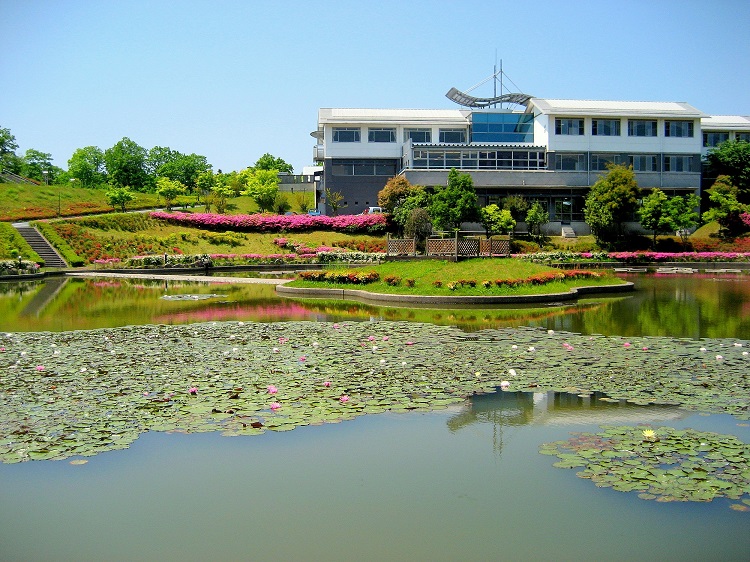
x=462, y=483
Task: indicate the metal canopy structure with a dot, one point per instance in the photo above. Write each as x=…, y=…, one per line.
x=466, y=100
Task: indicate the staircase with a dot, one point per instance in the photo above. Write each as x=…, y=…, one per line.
x=40, y=245
x=10, y=177
x=568, y=232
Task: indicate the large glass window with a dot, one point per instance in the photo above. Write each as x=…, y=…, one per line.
x=569, y=126
x=715, y=138
x=363, y=168
x=678, y=128
x=641, y=128
x=644, y=162
x=599, y=162
x=678, y=163
x=381, y=135
x=346, y=134
x=452, y=136
x=483, y=160
x=742, y=137
x=605, y=127
x=493, y=128
x=418, y=135
x=570, y=162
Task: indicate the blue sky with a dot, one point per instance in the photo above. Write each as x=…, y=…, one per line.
x=231, y=80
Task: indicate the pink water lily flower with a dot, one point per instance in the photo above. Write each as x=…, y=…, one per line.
x=40, y=367
x=626, y=344
x=275, y=405
x=344, y=399
x=327, y=384
x=410, y=343
x=193, y=390
x=371, y=338
x=272, y=389
x=385, y=338
x=303, y=358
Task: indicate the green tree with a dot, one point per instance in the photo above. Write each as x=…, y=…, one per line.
x=219, y=197
x=732, y=158
x=9, y=160
x=654, y=215
x=127, y=165
x=726, y=209
x=204, y=183
x=683, y=214
x=270, y=162
x=87, y=166
x=536, y=217
x=419, y=198
x=394, y=192
x=263, y=188
x=496, y=220
x=334, y=200
x=169, y=190
x=610, y=202
x=184, y=168
x=517, y=205
x=455, y=203
x=35, y=162
x=119, y=197
x=418, y=226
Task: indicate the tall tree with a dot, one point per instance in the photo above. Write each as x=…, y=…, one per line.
x=169, y=190
x=455, y=203
x=653, y=213
x=270, y=162
x=263, y=187
x=610, y=202
x=726, y=208
x=732, y=158
x=9, y=160
x=394, y=192
x=35, y=162
x=86, y=165
x=127, y=165
x=536, y=217
x=496, y=220
x=683, y=214
x=184, y=168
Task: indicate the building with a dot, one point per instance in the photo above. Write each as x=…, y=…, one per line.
x=549, y=150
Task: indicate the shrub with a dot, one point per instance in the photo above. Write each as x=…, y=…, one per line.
x=437, y=283
x=393, y=280
x=410, y=282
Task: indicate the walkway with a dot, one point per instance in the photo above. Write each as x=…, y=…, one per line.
x=201, y=278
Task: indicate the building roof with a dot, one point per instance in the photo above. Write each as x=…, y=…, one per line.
x=725, y=123
x=396, y=116
x=616, y=108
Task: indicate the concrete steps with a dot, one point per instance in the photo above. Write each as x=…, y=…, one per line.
x=568, y=232
x=40, y=245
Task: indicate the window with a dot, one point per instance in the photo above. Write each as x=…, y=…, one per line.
x=452, y=136
x=678, y=128
x=570, y=162
x=472, y=159
x=715, y=139
x=678, y=163
x=418, y=135
x=363, y=168
x=605, y=127
x=569, y=126
x=381, y=135
x=641, y=128
x=496, y=128
x=644, y=162
x=599, y=162
x=346, y=134
x=742, y=137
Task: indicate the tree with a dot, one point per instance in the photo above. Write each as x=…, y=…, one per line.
x=119, y=197
x=394, y=192
x=653, y=213
x=732, y=158
x=683, y=214
x=496, y=220
x=127, y=165
x=455, y=203
x=419, y=198
x=418, y=226
x=184, y=168
x=727, y=210
x=536, y=217
x=219, y=197
x=169, y=190
x=9, y=160
x=270, y=162
x=334, y=199
x=517, y=205
x=35, y=162
x=610, y=202
x=86, y=165
x=263, y=187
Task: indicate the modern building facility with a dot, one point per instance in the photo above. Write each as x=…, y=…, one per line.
x=551, y=150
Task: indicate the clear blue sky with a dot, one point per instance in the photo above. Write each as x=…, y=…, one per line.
x=231, y=80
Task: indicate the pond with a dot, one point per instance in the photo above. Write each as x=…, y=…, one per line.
x=464, y=482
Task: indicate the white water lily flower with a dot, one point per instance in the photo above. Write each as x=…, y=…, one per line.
x=719, y=358
x=512, y=372
x=504, y=385
x=532, y=348
x=702, y=349
x=737, y=344
x=550, y=331
x=514, y=347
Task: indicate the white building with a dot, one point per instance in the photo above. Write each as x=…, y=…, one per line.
x=546, y=149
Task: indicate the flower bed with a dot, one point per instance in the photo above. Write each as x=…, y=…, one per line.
x=635, y=257
x=18, y=267
x=341, y=277
x=373, y=224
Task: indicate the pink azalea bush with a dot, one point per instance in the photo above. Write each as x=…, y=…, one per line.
x=371, y=223
x=635, y=257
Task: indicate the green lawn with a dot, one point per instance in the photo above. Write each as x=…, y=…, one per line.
x=425, y=274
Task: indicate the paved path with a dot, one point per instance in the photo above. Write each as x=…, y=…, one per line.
x=202, y=278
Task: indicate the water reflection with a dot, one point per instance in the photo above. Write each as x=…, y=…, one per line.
x=695, y=306
x=504, y=410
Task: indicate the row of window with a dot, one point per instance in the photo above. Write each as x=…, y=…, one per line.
x=479, y=159
x=573, y=162
x=718, y=137
x=636, y=127
x=388, y=134
x=363, y=168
